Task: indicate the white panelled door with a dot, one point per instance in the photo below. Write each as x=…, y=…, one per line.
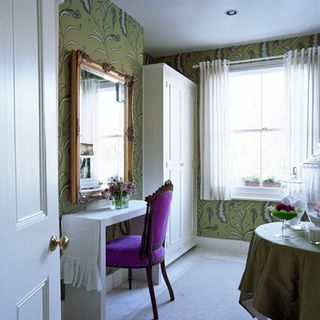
x=29, y=271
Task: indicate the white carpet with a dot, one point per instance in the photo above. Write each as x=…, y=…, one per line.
x=207, y=291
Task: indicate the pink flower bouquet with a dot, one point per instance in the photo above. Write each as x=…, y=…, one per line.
x=119, y=191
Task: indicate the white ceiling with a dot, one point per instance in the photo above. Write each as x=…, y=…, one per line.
x=173, y=26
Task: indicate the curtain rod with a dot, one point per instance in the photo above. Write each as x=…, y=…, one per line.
x=196, y=66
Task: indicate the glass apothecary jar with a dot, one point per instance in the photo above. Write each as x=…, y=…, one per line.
x=293, y=193
x=311, y=176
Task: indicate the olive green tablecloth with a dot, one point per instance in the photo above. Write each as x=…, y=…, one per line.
x=282, y=277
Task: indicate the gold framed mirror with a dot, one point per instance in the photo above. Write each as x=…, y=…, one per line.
x=101, y=126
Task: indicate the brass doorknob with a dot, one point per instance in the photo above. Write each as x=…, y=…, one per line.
x=55, y=242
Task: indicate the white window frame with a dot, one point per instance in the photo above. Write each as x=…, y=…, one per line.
x=256, y=193
x=102, y=88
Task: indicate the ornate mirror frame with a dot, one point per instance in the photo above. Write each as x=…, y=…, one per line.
x=80, y=58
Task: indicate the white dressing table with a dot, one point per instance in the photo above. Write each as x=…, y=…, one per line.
x=81, y=304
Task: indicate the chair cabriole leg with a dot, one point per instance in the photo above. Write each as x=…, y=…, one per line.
x=166, y=279
x=151, y=291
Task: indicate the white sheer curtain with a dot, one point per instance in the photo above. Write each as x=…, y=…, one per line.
x=89, y=111
x=302, y=83
x=89, y=127
x=214, y=130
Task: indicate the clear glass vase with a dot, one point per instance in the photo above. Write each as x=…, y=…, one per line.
x=121, y=201
x=293, y=193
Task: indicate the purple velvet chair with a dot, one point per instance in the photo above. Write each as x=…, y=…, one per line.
x=145, y=251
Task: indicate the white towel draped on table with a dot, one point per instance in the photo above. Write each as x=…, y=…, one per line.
x=79, y=262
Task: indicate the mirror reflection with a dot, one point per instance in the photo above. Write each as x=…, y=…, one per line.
x=102, y=127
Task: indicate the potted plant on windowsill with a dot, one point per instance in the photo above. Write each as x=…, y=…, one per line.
x=251, y=181
x=271, y=182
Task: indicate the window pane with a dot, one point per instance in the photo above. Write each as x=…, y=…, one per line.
x=109, y=153
x=110, y=158
x=273, y=155
x=111, y=113
x=272, y=99
x=245, y=101
x=245, y=156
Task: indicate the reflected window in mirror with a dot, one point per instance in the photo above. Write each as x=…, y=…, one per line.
x=101, y=129
x=111, y=139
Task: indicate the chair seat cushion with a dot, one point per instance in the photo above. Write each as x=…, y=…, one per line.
x=124, y=252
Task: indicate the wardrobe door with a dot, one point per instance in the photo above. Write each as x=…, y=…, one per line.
x=169, y=140
x=188, y=163
x=172, y=145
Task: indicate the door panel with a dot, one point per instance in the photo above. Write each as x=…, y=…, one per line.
x=175, y=214
x=188, y=134
x=35, y=305
x=188, y=204
x=173, y=144
x=175, y=123
x=28, y=139
x=28, y=111
x=187, y=151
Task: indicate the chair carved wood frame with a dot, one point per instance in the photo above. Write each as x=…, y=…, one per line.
x=152, y=243
x=147, y=246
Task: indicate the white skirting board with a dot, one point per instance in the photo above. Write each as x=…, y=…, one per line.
x=224, y=246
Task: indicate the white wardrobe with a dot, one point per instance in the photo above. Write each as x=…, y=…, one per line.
x=169, y=134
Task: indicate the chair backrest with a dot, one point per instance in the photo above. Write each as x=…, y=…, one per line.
x=156, y=220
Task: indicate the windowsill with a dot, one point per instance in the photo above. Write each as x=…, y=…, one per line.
x=256, y=193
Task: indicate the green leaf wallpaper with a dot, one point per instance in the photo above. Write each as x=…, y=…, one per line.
x=110, y=35
x=234, y=219
x=231, y=219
